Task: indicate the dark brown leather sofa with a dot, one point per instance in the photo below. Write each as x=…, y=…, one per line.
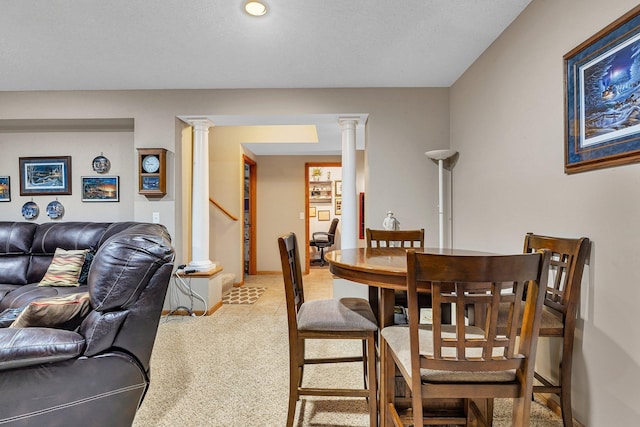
x=98, y=373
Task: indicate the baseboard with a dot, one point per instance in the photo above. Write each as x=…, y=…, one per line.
x=182, y=312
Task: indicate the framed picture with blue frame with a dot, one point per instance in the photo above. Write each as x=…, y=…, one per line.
x=602, y=98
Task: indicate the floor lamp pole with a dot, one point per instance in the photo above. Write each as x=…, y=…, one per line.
x=440, y=156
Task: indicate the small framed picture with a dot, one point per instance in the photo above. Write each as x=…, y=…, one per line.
x=338, y=206
x=312, y=211
x=5, y=189
x=151, y=182
x=324, y=215
x=338, y=188
x=100, y=189
x=45, y=175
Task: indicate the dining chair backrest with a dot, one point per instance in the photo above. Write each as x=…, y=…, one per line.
x=317, y=319
x=562, y=296
x=568, y=257
x=482, y=281
x=292, y=274
x=398, y=238
x=476, y=363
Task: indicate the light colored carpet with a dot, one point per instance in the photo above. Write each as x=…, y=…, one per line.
x=231, y=369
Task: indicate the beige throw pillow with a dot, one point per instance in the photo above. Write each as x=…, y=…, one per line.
x=65, y=268
x=54, y=312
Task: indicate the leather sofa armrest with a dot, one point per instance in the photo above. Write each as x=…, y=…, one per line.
x=21, y=347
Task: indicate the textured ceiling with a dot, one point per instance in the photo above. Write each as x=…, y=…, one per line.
x=213, y=44
x=178, y=44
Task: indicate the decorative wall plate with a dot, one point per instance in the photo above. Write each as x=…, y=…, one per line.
x=101, y=164
x=30, y=210
x=55, y=210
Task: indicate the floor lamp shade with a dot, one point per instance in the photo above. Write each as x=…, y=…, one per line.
x=440, y=156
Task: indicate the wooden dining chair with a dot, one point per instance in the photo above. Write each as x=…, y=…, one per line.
x=568, y=258
x=395, y=238
x=345, y=318
x=465, y=364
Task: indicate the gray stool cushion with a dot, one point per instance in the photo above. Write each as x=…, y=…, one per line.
x=345, y=314
x=398, y=339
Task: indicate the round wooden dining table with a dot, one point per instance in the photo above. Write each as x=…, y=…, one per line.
x=386, y=270
x=383, y=268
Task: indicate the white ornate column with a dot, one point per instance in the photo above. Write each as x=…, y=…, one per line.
x=200, y=197
x=349, y=228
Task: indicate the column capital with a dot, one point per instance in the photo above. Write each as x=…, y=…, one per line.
x=346, y=122
x=200, y=123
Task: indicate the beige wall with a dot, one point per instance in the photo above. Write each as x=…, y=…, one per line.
x=402, y=125
x=281, y=199
x=504, y=115
x=82, y=147
x=507, y=122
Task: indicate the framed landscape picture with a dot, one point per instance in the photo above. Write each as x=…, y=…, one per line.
x=5, y=189
x=45, y=175
x=100, y=189
x=602, y=98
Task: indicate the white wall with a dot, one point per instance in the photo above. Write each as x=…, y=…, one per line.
x=507, y=122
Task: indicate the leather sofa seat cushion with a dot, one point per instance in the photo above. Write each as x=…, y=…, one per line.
x=17, y=348
x=23, y=295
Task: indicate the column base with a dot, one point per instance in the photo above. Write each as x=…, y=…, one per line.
x=201, y=266
x=186, y=290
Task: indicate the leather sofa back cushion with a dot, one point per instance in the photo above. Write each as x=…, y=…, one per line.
x=124, y=265
x=13, y=269
x=66, y=235
x=15, y=243
x=16, y=237
x=64, y=312
x=65, y=268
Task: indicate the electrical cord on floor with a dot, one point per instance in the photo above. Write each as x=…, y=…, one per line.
x=180, y=286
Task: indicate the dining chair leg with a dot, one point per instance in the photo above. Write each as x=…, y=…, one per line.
x=365, y=366
x=521, y=411
x=565, y=391
x=387, y=386
x=294, y=381
x=372, y=379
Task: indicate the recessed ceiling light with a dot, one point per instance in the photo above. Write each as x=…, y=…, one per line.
x=255, y=8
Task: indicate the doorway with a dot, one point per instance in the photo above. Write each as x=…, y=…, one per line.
x=323, y=202
x=249, y=216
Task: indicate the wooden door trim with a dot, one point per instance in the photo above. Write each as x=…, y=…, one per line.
x=306, y=204
x=253, y=172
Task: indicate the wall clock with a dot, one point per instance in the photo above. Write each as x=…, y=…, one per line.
x=152, y=172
